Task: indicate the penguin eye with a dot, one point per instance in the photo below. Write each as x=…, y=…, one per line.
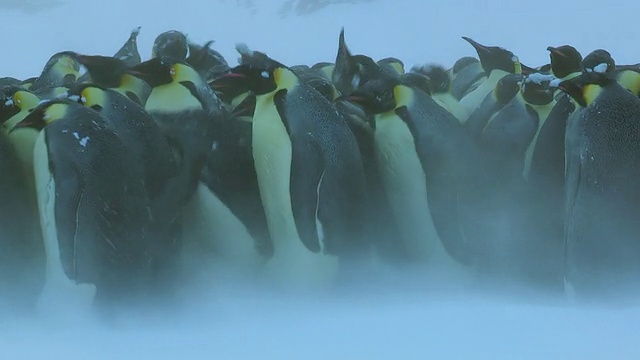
x=265, y=74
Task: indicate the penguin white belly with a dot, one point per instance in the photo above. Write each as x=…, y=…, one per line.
x=452, y=105
x=292, y=263
x=543, y=112
x=211, y=230
x=163, y=99
x=473, y=99
x=23, y=141
x=59, y=291
x=405, y=184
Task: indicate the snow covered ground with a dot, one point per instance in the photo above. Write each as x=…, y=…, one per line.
x=380, y=326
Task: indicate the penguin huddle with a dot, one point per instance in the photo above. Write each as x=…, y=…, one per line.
x=123, y=181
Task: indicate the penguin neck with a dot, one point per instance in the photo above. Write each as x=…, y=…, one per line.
x=630, y=80
x=285, y=79
x=404, y=96
x=172, y=97
x=130, y=83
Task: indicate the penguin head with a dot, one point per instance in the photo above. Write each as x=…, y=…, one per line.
x=326, y=70
x=9, y=106
x=416, y=80
x=507, y=88
x=44, y=114
x=165, y=70
x=565, y=60
x=61, y=69
x=170, y=43
x=536, y=90
x=257, y=72
x=438, y=76
x=584, y=89
x=393, y=66
x=376, y=96
x=352, y=71
x=462, y=63
x=316, y=80
x=89, y=95
x=104, y=70
x=496, y=58
x=599, y=61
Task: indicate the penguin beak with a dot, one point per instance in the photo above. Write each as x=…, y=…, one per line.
x=479, y=47
x=555, y=51
x=226, y=81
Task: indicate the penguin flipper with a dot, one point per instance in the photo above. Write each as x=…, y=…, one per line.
x=443, y=180
x=306, y=176
x=479, y=118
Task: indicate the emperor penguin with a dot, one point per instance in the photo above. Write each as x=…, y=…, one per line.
x=352, y=71
x=60, y=71
x=502, y=140
x=601, y=247
x=466, y=75
x=164, y=183
x=419, y=147
x=193, y=119
x=93, y=209
x=566, y=62
x=599, y=61
x=114, y=73
x=310, y=176
x=546, y=181
x=21, y=253
x=496, y=63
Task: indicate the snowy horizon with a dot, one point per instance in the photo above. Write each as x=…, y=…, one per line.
x=408, y=30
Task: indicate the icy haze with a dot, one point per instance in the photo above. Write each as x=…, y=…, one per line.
x=389, y=325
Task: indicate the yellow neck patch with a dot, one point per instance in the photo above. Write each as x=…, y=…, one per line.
x=630, y=80
x=93, y=96
x=181, y=72
x=404, y=96
x=65, y=66
x=55, y=112
x=591, y=92
x=397, y=67
x=25, y=100
x=285, y=78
